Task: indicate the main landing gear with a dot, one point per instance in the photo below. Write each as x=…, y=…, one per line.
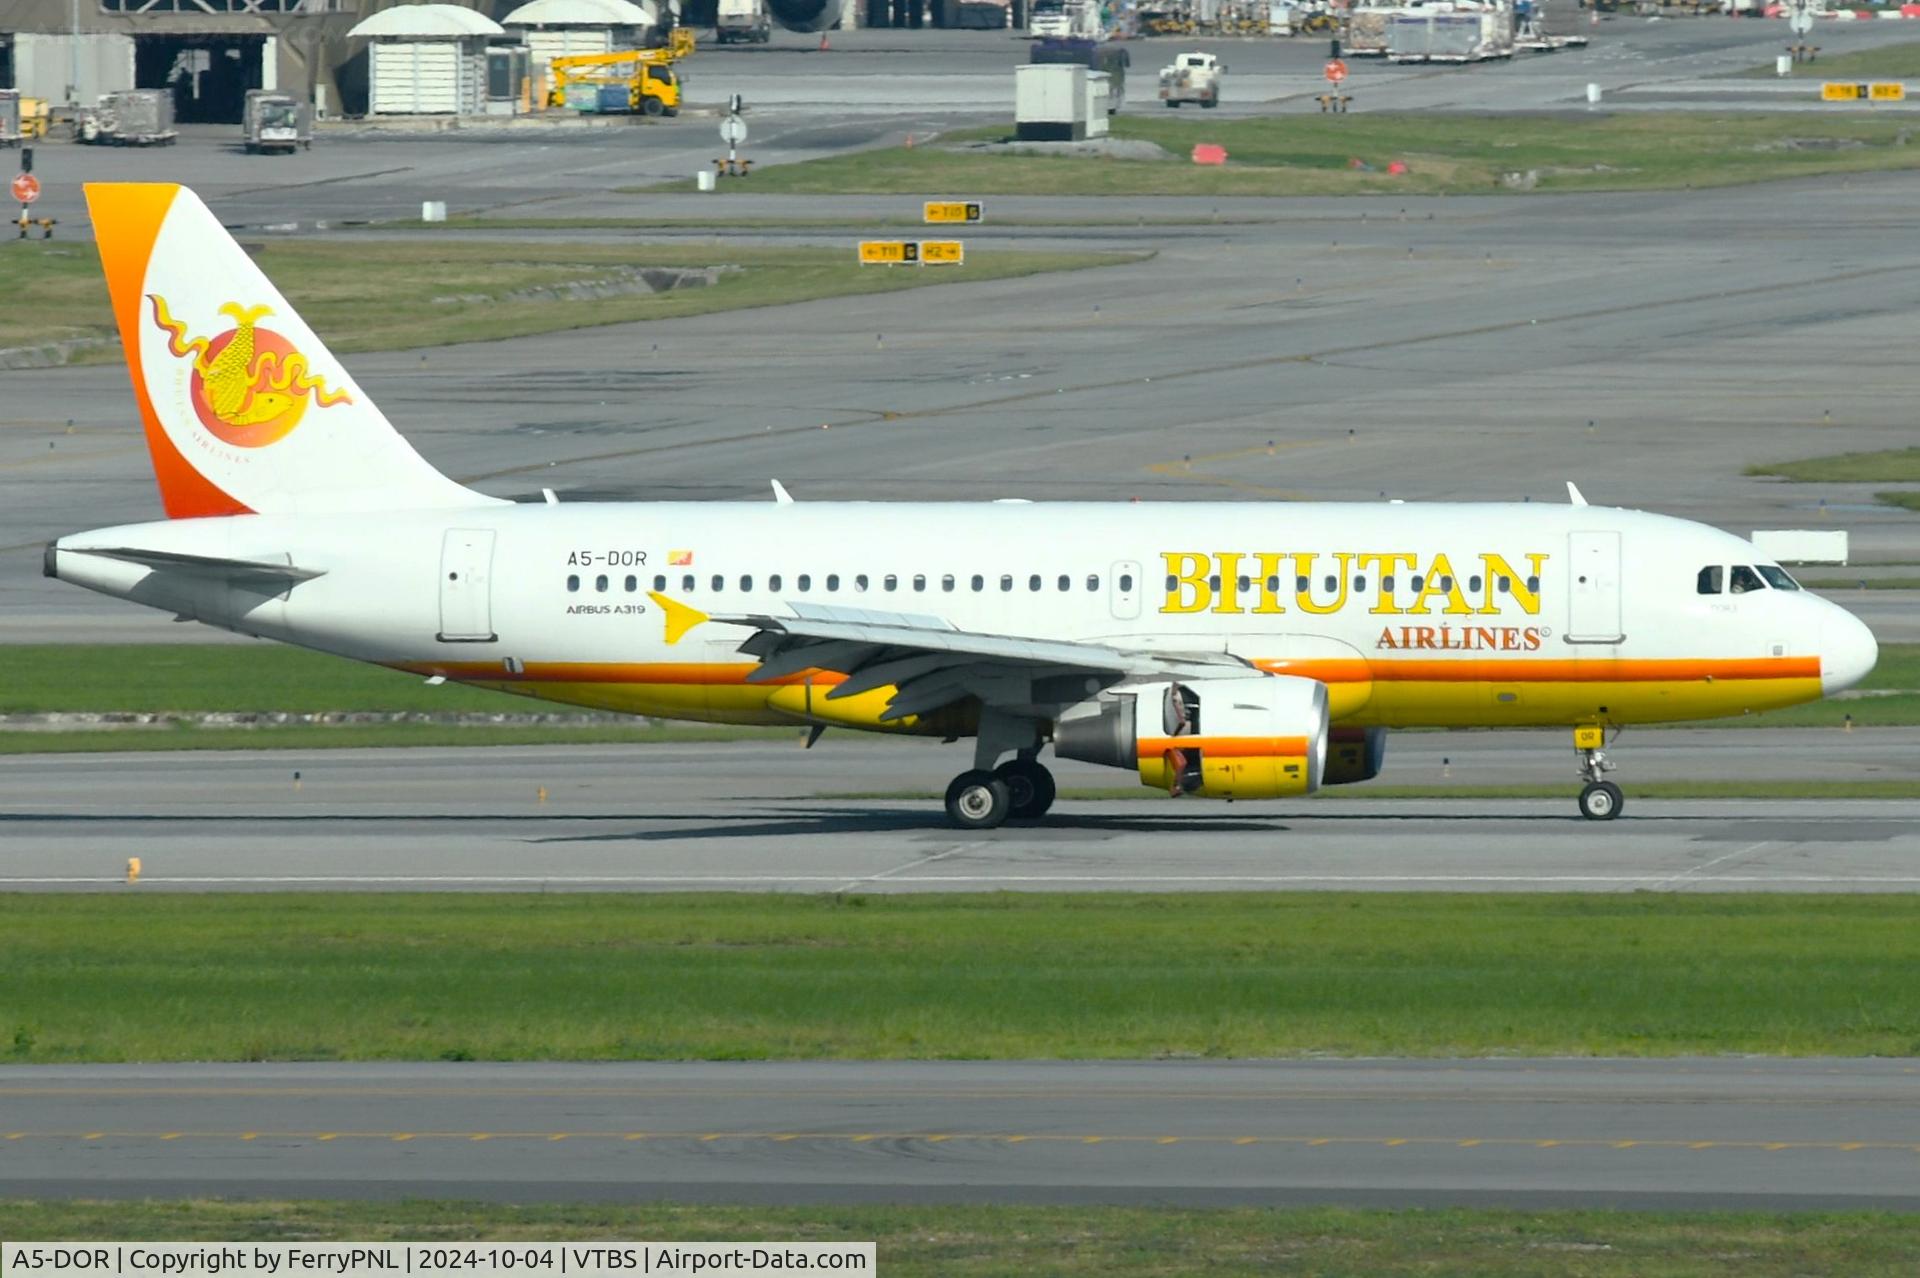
x=981, y=800
x=986, y=796
x=1600, y=799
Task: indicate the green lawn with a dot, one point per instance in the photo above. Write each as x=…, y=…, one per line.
x=367, y=294
x=1452, y=153
x=1893, y=465
x=139, y=976
x=195, y=679
x=1888, y=62
x=1081, y=1241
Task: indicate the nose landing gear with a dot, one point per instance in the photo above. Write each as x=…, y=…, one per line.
x=1600, y=799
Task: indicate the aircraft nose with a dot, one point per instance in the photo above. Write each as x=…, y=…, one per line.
x=1847, y=651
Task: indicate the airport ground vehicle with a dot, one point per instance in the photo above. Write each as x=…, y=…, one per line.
x=273, y=121
x=1213, y=649
x=647, y=76
x=1193, y=77
x=127, y=117
x=742, y=20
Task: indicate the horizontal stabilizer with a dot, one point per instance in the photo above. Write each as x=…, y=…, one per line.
x=236, y=571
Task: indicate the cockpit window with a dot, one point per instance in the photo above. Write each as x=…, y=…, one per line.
x=1777, y=577
x=1709, y=581
x=1743, y=580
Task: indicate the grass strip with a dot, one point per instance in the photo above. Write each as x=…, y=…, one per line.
x=376, y=735
x=1079, y=1240
x=1447, y=153
x=378, y=295
x=160, y=977
x=1892, y=465
x=189, y=678
x=1889, y=61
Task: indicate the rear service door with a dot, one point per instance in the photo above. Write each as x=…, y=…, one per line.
x=1593, y=609
x=466, y=586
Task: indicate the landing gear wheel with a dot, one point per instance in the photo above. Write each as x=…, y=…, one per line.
x=1601, y=801
x=978, y=801
x=1029, y=786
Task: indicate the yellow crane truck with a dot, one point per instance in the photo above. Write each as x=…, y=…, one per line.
x=647, y=76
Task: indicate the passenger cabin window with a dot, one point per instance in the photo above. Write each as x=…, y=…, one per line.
x=1473, y=584
x=633, y=584
x=660, y=582
x=773, y=582
x=1386, y=583
x=1033, y=582
x=686, y=584
x=860, y=582
x=573, y=582
x=978, y=582
x=804, y=582
x=1743, y=579
x=1093, y=583
x=1709, y=582
x=891, y=582
x=1173, y=583
x=746, y=584
x=719, y=583
x=1126, y=582
x=1533, y=585
x=1419, y=583
x=1777, y=577
x=600, y=583
x=1066, y=583
x=1359, y=583
x=1006, y=581
x=919, y=582
x=833, y=581
x=946, y=582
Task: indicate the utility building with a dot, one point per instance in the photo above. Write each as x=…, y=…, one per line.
x=427, y=59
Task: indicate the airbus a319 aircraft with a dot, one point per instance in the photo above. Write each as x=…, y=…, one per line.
x=1237, y=651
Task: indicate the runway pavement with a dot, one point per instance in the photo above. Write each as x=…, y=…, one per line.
x=771, y=817
x=1680, y=1134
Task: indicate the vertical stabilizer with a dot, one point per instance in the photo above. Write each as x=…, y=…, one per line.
x=245, y=410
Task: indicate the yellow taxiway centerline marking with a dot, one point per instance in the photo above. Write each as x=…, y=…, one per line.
x=1468, y=1144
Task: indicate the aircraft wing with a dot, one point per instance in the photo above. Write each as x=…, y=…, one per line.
x=930, y=663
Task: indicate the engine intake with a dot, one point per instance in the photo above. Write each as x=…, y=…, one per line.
x=1219, y=738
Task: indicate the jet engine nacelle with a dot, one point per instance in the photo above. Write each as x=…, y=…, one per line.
x=1354, y=754
x=1220, y=738
x=804, y=15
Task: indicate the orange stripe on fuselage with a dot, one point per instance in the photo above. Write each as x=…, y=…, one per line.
x=1549, y=669
x=1339, y=670
x=1227, y=747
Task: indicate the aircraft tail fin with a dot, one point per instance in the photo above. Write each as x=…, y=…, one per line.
x=245, y=410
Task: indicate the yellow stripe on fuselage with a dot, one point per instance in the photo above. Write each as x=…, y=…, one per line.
x=1407, y=693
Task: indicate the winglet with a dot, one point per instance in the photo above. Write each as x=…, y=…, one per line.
x=781, y=497
x=1573, y=495
x=680, y=617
